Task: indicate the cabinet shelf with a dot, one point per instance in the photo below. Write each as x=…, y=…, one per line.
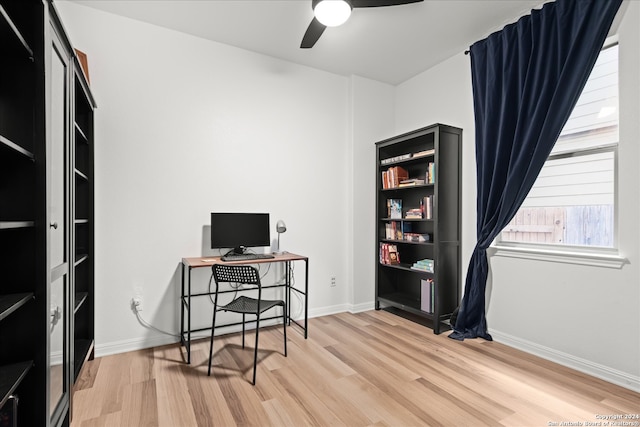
x=81, y=134
x=407, y=187
x=11, y=302
x=12, y=146
x=8, y=31
x=80, y=258
x=403, y=301
x=407, y=242
x=5, y=225
x=407, y=219
x=82, y=349
x=10, y=378
x=81, y=297
x=406, y=267
x=81, y=175
x=410, y=160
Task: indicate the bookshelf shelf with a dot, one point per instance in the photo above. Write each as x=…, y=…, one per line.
x=11, y=302
x=435, y=199
x=10, y=378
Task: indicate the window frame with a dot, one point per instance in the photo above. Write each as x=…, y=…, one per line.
x=573, y=254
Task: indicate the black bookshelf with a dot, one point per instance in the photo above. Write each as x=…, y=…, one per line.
x=402, y=286
x=31, y=35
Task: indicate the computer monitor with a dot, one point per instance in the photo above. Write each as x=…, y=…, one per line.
x=239, y=230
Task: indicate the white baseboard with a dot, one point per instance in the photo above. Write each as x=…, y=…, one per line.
x=157, y=339
x=606, y=373
x=134, y=344
x=365, y=306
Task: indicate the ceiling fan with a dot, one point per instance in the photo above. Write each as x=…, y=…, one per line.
x=331, y=13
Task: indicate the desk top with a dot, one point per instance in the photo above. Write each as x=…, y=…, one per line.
x=208, y=261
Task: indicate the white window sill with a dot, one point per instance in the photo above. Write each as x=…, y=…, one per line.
x=608, y=259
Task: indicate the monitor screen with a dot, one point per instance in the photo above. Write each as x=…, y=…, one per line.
x=239, y=230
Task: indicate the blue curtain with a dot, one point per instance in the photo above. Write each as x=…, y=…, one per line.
x=526, y=80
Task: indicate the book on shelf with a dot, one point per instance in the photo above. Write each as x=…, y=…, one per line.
x=392, y=177
x=389, y=254
x=395, y=159
x=427, y=290
x=394, y=256
x=393, y=231
x=426, y=204
x=394, y=208
x=424, y=265
x=411, y=182
x=431, y=173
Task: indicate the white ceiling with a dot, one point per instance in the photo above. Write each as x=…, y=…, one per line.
x=388, y=44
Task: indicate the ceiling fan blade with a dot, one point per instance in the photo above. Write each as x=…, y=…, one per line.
x=312, y=34
x=380, y=3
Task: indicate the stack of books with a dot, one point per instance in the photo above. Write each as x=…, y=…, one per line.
x=411, y=182
x=414, y=213
x=389, y=254
x=417, y=237
x=423, y=265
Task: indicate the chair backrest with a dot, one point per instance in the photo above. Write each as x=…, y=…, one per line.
x=245, y=274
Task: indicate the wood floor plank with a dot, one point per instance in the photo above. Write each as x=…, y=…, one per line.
x=140, y=404
x=366, y=369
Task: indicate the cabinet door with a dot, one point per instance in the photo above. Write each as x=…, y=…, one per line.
x=58, y=212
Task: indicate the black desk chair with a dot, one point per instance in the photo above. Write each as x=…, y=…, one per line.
x=246, y=275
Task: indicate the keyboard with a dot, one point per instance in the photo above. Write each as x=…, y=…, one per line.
x=245, y=257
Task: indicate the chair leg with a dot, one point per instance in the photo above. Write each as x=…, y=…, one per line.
x=243, y=322
x=284, y=327
x=255, y=351
x=213, y=329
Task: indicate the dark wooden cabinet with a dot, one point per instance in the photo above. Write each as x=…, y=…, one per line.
x=418, y=224
x=46, y=215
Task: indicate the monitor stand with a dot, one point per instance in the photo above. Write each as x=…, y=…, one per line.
x=239, y=250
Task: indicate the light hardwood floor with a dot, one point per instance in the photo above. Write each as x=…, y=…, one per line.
x=366, y=369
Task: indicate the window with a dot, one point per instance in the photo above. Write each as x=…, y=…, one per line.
x=572, y=203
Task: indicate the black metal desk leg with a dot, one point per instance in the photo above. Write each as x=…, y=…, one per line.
x=287, y=279
x=306, y=297
x=189, y=317
x=182, y=306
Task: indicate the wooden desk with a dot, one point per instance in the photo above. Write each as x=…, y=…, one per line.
x=189, y=264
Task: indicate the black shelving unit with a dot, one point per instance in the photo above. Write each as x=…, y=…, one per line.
x=30, y=31
x=426, y=296
x=22, y=329
x=83, y=267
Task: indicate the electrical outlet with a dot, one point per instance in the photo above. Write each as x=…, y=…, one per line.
x=333, y=282
x=136, y=303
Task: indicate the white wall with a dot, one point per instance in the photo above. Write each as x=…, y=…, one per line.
x=186, y=126
x=371, y=120
x=581, y=316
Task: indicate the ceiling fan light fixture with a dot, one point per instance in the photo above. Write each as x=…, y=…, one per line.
x=332, y=13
